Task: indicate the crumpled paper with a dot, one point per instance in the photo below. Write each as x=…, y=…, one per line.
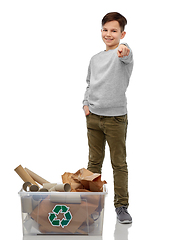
x=83, y=181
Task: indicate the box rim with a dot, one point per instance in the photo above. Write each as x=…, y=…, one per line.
x=24, y=193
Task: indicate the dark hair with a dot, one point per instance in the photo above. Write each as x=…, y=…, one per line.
x=115, y=16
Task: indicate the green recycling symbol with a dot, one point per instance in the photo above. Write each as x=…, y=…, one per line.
x=57, y=222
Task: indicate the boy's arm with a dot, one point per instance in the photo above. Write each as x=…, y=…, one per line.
x=85, y=101
x=125, y=53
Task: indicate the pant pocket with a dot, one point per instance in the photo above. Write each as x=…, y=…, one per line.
x=121, y=119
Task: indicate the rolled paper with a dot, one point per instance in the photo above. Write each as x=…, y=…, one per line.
x=61, y=188
x=26, y=186
x=43, y=190
x=34, y=188
x=65, y=198
x=26, y=203
x=24, y=175
x=35, y=202
x=36, y=177
x=49, y=185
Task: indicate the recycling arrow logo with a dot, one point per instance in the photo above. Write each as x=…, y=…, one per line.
x=57, y=222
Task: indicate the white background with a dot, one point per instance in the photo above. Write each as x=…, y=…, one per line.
x=45, y=48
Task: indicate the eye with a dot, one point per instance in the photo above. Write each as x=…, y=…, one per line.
x=114, y=31
x=104, y=30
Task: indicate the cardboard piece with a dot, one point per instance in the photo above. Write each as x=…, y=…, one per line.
x=36, y=177
x=43, y=190
x=75, y=184
x=49, y=185
x=26, y=186
x=65, y=198
x=26, y=204
x=84, y=179
x=61, y=188
x=34, y=188
x=79, y=212
x=24, y=175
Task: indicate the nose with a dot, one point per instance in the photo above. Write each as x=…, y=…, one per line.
x=108, y=33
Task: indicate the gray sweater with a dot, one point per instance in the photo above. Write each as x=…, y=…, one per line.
x=108, y=79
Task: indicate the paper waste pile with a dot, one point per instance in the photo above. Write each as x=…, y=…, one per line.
x=66, y=208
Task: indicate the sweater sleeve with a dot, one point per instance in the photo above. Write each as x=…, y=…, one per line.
x=86, y=95
x=127, y=59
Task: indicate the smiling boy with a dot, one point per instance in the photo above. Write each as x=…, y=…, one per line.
x=105, y=107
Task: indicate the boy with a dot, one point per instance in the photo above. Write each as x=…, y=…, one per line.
x=105, y=107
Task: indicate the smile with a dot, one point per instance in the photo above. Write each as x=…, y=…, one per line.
x=108, y=39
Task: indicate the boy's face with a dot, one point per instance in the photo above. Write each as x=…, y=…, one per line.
x=111, y=34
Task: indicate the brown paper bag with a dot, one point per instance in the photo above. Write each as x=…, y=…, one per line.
x=67, y=178
x=84, y=179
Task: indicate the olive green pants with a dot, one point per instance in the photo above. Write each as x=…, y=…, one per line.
x=113, y=130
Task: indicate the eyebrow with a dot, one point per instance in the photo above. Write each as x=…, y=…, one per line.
x=111, y=29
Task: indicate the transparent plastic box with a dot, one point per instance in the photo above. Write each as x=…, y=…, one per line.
x=54, y=213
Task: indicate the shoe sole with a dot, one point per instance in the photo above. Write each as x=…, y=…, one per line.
x=125, y=221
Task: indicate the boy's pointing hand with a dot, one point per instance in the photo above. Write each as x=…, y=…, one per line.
x=123, y=51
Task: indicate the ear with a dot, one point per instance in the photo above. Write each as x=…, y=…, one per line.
x=123, y=34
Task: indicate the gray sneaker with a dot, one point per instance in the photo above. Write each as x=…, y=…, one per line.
x=122, y=215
